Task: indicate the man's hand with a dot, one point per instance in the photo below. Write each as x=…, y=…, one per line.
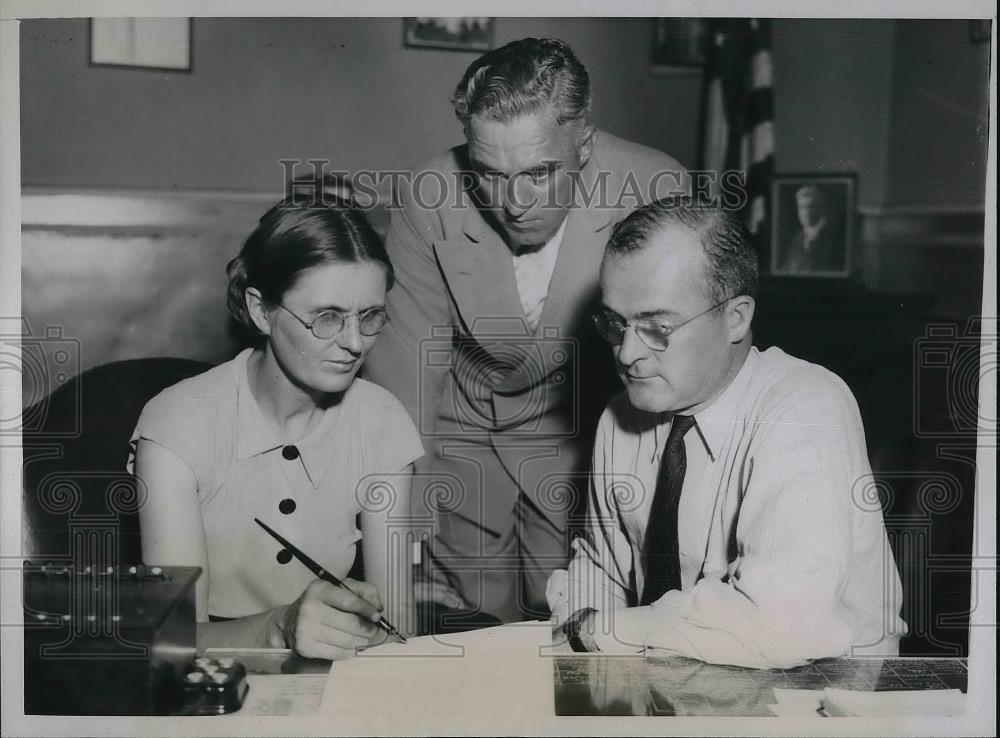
x=330, y=622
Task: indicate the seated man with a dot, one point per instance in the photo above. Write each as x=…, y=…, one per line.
x=730, y=503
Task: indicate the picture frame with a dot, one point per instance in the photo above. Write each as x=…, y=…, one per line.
x=812, y=225
x=980, y=30
x=467, y=33
x=679, y=43
x=159, y=44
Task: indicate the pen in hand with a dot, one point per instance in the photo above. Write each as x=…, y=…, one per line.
x=326, y=576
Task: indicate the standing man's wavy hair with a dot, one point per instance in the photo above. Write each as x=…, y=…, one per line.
x=521, y=78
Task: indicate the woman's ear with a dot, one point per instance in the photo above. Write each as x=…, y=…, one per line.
x=258, y=310
x=740, y=316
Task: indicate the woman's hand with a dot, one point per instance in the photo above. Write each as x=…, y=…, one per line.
x=330, y=622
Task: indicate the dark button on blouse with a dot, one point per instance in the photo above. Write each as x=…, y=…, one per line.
x=290, y=452
x=287, y=506
x=284, y=556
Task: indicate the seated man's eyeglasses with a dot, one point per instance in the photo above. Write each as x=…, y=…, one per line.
x=653, y=334
x=330, y=323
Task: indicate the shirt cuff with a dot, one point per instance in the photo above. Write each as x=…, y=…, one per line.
x=557, y=596
x=622, y=631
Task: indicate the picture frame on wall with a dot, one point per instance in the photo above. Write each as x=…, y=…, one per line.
x=458, y=34
x=162, y=44
x=679, y=43
x=812, y=225
x=980, y=30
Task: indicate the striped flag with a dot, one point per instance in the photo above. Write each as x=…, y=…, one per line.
x=738, y=113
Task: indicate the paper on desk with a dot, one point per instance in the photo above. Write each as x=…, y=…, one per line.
x=283, y=694
x=797, y=702
x=501, y=677
x=909, y=703
x=858, y=703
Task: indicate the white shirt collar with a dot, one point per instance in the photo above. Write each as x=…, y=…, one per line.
x=714, y=422
x=257, y=434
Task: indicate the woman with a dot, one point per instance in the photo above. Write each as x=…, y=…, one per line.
x=285, y=433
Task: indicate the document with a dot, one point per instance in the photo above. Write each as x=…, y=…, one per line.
x=501, y=677
x=909, y=703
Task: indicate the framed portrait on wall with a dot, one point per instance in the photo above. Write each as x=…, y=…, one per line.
x=460, y=34
x=812, y=225
x=679, y=42
x=162, y=44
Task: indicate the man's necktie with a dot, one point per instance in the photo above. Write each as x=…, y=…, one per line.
x=661, y=563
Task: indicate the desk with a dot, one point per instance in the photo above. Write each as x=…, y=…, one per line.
x=281, y=683
x=595, y=685
x=665, y=686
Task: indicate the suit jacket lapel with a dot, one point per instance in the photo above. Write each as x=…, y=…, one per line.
x=577, y=265
x=480, y=276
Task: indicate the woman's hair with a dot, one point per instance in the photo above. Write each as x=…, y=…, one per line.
x=295, y=235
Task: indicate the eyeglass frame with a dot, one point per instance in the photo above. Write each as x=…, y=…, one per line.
x=343, y=320
x=668, y=330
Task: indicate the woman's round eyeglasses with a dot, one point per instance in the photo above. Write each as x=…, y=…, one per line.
x=330, y=323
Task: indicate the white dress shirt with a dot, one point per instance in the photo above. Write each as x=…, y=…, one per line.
x=533, y=273
x=783, y=550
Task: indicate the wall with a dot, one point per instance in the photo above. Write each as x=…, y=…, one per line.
x=833, y=84
x=850, y=95
x=265, y=89
x=940, y=116
x=903, y=103
x=130, y=276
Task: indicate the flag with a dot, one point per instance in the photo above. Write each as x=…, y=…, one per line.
x=738, y=111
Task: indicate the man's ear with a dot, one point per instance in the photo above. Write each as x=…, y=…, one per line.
x=739, y=316
x=586, y=143
x=258, y=310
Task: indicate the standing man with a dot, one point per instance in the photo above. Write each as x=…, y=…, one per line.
x=496, y=246
x=734, y=513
